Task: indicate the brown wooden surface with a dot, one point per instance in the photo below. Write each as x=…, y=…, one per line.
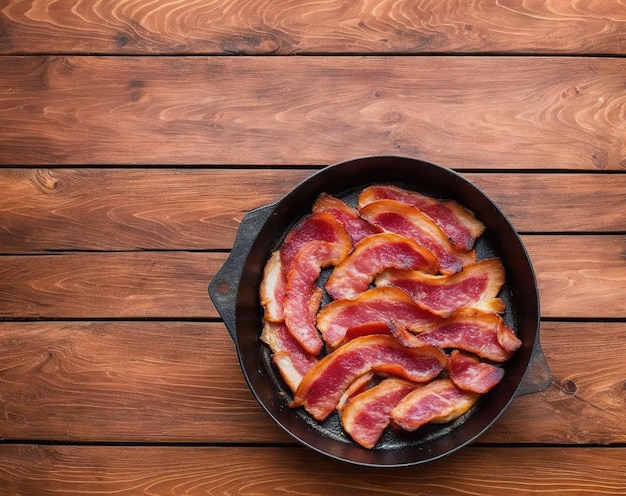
x=500, y=112
x=117, y=375
x=253, y=470
x=333, y=26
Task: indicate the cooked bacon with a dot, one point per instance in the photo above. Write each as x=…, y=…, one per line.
x=300, y=313
x=438, y=401
x=460, y=225
x=507, y=338
x=473, y=331
x=292, y=361
x=387, y=304
x=406, y=220
x=359, y=385
x=371, y=256
x=476, y=286
x=357, y=227
x=367, y=329
x=323, y=386
x=321, y=226
x=365, y=416
x=385, y=362
x=272, y=291
x=470, y=374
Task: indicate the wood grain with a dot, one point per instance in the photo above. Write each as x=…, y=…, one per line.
x=108, y=285
x=584, y=405
x=292, y=27
x=126, y=381
x=193, y=471
x=578, y=276
x=200, y=209
x=117, y=375
x=463, y=112
x=152, y=382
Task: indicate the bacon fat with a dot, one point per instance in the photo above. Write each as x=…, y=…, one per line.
x=292, y=361
x=272, y=290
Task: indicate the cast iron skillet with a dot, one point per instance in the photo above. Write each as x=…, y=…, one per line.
x=235, y=292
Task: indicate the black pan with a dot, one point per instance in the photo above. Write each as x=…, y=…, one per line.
x=235, y=292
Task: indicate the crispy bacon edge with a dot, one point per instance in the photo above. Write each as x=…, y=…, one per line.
x=292, y=361
x=272, y=290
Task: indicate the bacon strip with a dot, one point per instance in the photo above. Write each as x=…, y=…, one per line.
x=359, y=385
x=300, y=313
x=272, y=292
x=406, y=220
x=357, y=227
x=470, y=374
x=367, y=329
x=473, y=331
x=368, y=414
x=371, y=256
x=476, y=286
x=439, y=401
x=460, y=225
x=389, y=305
x=321, y=226
x=292, y=361
x=323, y=386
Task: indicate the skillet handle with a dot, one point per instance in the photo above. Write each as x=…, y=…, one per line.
x=224, y=286
x=538, y=376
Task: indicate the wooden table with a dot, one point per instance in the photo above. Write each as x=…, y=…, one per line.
x=117, y=375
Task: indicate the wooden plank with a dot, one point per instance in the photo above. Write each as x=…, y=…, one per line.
x=151, y=382
x=589, y=203
x=122, y=471
x=199, y=209
x=108, y=285
x=126, y=381
x=131, y=209
x=244, y=27
x=463, y=112
x=578, y=276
